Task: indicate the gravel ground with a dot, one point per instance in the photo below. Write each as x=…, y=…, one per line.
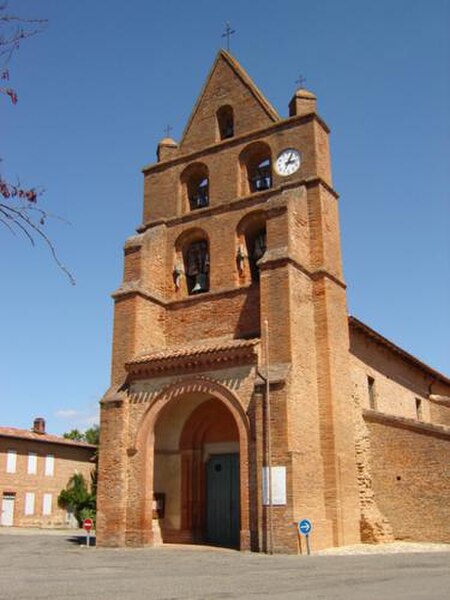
x=391, y=548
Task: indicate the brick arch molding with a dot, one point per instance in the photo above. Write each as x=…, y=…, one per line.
x=143, y=447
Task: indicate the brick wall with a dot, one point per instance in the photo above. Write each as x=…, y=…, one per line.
x=411, y=477
x=398, y=383
x=67, y=461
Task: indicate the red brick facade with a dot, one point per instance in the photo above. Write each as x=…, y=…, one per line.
x=262, y=250
x=34, y=468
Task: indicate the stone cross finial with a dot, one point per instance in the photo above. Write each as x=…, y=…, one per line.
x=301, y=82
x=228, y=33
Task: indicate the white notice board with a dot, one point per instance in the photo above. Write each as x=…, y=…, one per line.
x=278, y=486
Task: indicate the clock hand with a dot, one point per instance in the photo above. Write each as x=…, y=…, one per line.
x=289, y=160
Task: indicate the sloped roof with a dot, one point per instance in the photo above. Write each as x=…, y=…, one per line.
x=194, y=349
x=26, y=434
x=239, y=71
x=380, y=339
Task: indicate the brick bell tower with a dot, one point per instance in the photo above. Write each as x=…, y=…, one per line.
x=239, y=251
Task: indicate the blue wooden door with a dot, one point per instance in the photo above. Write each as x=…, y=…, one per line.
x=222, y=500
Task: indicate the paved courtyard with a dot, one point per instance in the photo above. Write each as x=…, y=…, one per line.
x=49, y=566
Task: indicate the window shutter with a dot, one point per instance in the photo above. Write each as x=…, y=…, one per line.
x=11, y=461
x=47, y=504
x=29, y=503
x=49, y=465
x=32, y=463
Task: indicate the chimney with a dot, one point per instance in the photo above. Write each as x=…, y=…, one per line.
x=39, y=425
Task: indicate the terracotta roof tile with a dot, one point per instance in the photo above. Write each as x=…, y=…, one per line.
x=27, y=434
x=377, y=337
x=194, y=349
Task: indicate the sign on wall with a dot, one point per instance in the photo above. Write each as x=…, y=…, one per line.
x=278, y=486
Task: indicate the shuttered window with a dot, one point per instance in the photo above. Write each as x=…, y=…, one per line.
x=29, y=503
x=47, y=504
x=11, y=461
x=49, y=465
x=32, y=463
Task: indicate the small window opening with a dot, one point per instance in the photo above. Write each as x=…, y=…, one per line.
x=261, y=177
x=197, y=267
x=256, y=248
x=225, y=122
x=372, y=396
x=419, y=414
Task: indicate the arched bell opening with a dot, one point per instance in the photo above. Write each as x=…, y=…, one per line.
x=192, y=260
x=251, y=246
x=196, y=473
x=256, y=168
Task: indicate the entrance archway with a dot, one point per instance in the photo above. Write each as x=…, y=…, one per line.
x=193, y=441
x=209, y=446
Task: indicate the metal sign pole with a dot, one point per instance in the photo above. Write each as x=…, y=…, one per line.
x=88, y=538
x=304, y=527
x=269, y=436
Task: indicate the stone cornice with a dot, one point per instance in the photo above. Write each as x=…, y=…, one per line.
x=248, y=201
x=237, y=141
x=278, y=257
x=278, y=373
x=245, y=201
x=135, y=288
x=440, y=431
x=438, y=399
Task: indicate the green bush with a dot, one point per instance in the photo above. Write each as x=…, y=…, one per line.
x=79, y=499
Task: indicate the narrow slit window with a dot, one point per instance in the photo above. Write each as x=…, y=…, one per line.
x=225, y=122
x=372, y=395
x=419, y=411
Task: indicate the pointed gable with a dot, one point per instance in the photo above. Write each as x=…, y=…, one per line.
x=227, y=85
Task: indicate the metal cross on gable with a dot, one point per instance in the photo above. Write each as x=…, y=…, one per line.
x=228, y=33
x=167, y=130
x=301, y=82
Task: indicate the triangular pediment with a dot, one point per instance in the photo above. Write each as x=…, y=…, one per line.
x=227, y=84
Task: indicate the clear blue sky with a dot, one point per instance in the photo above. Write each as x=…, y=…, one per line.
x=96, y=90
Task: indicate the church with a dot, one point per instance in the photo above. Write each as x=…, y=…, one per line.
x=243, y=396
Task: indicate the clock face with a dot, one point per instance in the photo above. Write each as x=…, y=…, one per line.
x=288, y=162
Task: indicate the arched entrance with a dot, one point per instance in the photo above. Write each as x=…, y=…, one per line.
x=196, y=453
x=209, y=446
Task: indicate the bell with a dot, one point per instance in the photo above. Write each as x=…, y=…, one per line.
x=200, y=284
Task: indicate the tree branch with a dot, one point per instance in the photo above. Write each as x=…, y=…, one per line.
x=18, y=202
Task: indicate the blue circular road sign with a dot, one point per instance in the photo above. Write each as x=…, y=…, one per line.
x=304, y=527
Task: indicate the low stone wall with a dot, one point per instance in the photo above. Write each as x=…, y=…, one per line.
x=410, y=471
